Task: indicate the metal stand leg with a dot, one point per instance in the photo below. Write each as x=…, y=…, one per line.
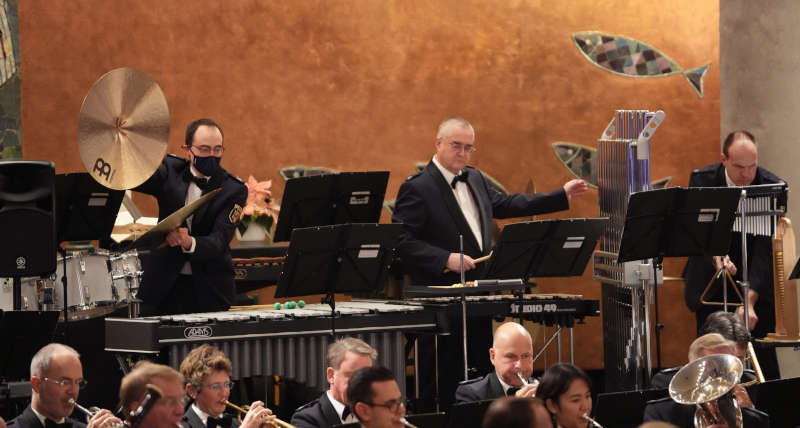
x=559, y=344
x=416, y=367
x=436, y=369
x=571, y=346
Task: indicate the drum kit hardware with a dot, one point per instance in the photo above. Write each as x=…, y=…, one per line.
x=123, y=131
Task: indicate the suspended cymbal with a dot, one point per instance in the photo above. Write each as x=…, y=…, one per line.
x=156, y=235
x=123, y=128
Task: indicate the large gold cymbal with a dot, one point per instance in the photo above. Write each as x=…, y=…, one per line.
x=123, y=128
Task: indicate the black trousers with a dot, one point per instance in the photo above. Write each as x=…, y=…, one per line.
x=182, y=299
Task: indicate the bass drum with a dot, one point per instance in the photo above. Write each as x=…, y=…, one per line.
x=30, y=293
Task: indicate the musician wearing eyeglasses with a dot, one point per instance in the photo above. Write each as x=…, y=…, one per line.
x=166, y=410
x=375, y=398
x=511, y=355
x=208, y=383
x=193, y=272
x=447, y=199
x=344, y=357
x=56, y=380
x=738, y=167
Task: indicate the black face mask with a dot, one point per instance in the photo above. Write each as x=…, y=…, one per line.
x=207, y=165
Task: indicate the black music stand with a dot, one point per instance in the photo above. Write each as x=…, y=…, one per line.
x=547, y=248
x=777, y=399
x=468, y=415
x=625, y=409
x=343, y=258
x=321, y=200
x=85, y=209
x=676, y=222
x=23, y=333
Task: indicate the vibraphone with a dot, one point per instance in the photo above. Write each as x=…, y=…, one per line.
x=291, y=343
x=562, y=310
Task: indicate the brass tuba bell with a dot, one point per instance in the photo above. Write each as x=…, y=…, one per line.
x=708, y=383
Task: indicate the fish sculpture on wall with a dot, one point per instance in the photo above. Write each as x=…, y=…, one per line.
x=631, y=58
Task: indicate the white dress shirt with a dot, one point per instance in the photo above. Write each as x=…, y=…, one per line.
x=468, y=205
x=339, y=407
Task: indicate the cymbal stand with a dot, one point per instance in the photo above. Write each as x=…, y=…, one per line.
x=463, y=306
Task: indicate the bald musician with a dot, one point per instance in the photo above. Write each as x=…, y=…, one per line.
x=738, y=167
x=511, y=355
x=207, y=372
x=56, y=380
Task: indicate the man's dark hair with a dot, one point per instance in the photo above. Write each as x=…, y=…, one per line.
x=728, y=325
x=359, y=388
x=736, y=135
x=192, y=128
x=511, y=412
x=557, y=380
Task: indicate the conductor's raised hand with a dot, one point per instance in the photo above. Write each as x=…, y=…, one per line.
x=575, y=188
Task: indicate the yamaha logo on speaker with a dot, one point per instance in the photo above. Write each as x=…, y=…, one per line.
x=193, y=332
x=21, y=263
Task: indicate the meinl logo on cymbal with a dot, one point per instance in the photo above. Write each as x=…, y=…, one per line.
x=195, y=332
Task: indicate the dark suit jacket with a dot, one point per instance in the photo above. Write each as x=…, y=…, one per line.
x=316, y=414
x=682, y=415
x=192, y=420
x=432, y=221
x=480, y=389
x=28, y=419
x=213, y=226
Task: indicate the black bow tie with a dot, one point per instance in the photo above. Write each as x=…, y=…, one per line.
x=512, y=391
x=51, y=424
x=345, y=413
x=201, y=182
x=459, y=177
x=223, y=422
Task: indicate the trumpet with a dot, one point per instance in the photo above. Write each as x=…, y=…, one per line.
x=244, y=409
x=407, y=423
x=90, y=412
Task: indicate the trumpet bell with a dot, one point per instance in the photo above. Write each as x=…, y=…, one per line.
x=705, y=379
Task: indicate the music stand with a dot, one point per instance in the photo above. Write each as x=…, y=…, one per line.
x=22, y=342
x=625, y=409
x=321, y=200
x=548, y=248
x=673, y=222
x=468, y=415
x=776, y=398
x=343, y=258
x=85, y=209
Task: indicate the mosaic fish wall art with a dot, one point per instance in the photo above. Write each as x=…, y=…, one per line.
x=632, y=58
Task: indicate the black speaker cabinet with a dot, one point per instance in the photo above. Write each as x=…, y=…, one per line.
x=27, y=225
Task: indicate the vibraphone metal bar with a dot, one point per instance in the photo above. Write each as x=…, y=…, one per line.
x=291, y=343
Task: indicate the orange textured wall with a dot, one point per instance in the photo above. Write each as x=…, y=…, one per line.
x=362, y=85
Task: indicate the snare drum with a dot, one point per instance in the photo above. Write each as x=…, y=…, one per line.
x=30, y=300
x=126, y=269
x=88, y=281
